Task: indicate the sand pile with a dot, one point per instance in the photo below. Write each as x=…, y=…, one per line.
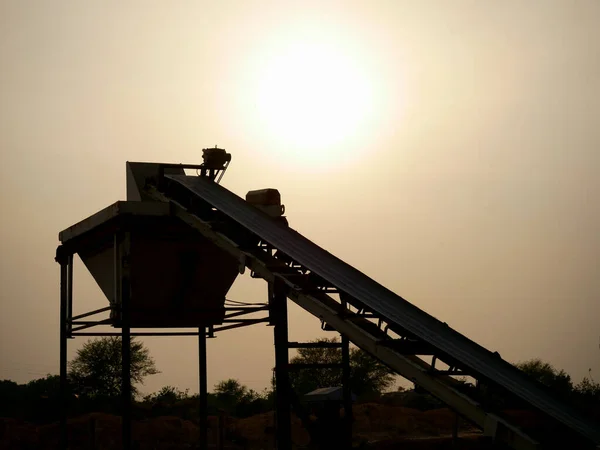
x=171, y=431
x=15, y=434
x=259, y=431
x=436, y=443
x=397, y=420
x=373, y=423
x=103, y=431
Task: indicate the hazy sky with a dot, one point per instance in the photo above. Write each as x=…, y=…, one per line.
x=449, y=150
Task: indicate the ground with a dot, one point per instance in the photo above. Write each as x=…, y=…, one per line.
x=376, y=426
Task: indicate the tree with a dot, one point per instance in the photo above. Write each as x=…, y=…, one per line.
x=167, y=394
x=11, y=397
x=588, y=388
x=237, y=399
x=46, y=387
x=368, y=376
x=557, y=380
x=96, y=370
x=35, y=401
x=587, y=396
x=231, y=393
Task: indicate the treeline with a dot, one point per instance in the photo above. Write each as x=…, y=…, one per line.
x=584, y=395
x=38, y=401
x=228, y=397
x=94, y=385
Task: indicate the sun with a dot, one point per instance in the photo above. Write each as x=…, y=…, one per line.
x=312, y=98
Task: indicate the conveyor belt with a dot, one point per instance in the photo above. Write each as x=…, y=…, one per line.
x=388, y=304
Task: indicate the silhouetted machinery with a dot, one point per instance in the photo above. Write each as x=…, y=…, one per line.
x=176, y=277
x=167, y=256
x=268, y=201
x=328, y=417
x=216, y=158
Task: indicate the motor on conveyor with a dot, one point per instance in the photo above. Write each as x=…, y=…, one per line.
x=215, y=159
x=268, y=201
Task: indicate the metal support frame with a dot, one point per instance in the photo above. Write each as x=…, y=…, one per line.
x=314, y=345
x=122, y=258
x=455, y=428
x=69, y=312
x=91, y=313
x=368, y=329
x=64, y=294
x=356, y=324
x=202, y=389
x=232, y=317
x=347, y=392
x=214, y=173
x=283, y=417
x=344, y=346
x=70, y=327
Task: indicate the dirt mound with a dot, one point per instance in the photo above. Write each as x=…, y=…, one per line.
x=104, y=432
x=475, y=442
x=102, y=429
x=16, y=434
x=397, y=420
x=259, y=431
x=373, y=423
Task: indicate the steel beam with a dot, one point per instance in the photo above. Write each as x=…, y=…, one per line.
x=408, y=347
x=243, y=311
x=248, y=321
x=315, y=345
x=85, y=325
x=122, y=283
x=283, y=429
x=347, y=392
x=455, y=427
x=90, y=322
x=454, y=373
x=239, y=325
x=203, y=389
x=69, y=295
x=91, y=313
x=64, y=294
x=142, y=333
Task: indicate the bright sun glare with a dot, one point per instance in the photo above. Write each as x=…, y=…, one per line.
x=311, y=99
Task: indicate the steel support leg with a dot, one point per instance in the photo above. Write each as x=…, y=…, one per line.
x=455, y=426
x=69, y=296
x=124, y=284
x=347, y=392
x=64, y=294
x=126, y=384
x=203, y=389
x=278, y=304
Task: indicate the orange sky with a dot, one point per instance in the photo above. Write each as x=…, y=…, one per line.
x=447, y=149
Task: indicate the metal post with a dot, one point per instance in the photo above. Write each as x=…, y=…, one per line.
x=455, y=427
x=347, y=392
x=123, y=248
x=221, y=438
x=126, y=378
x=69, y=315
x=64, y=283
x=278, y=303
x=203, y=389
x=93, y=434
